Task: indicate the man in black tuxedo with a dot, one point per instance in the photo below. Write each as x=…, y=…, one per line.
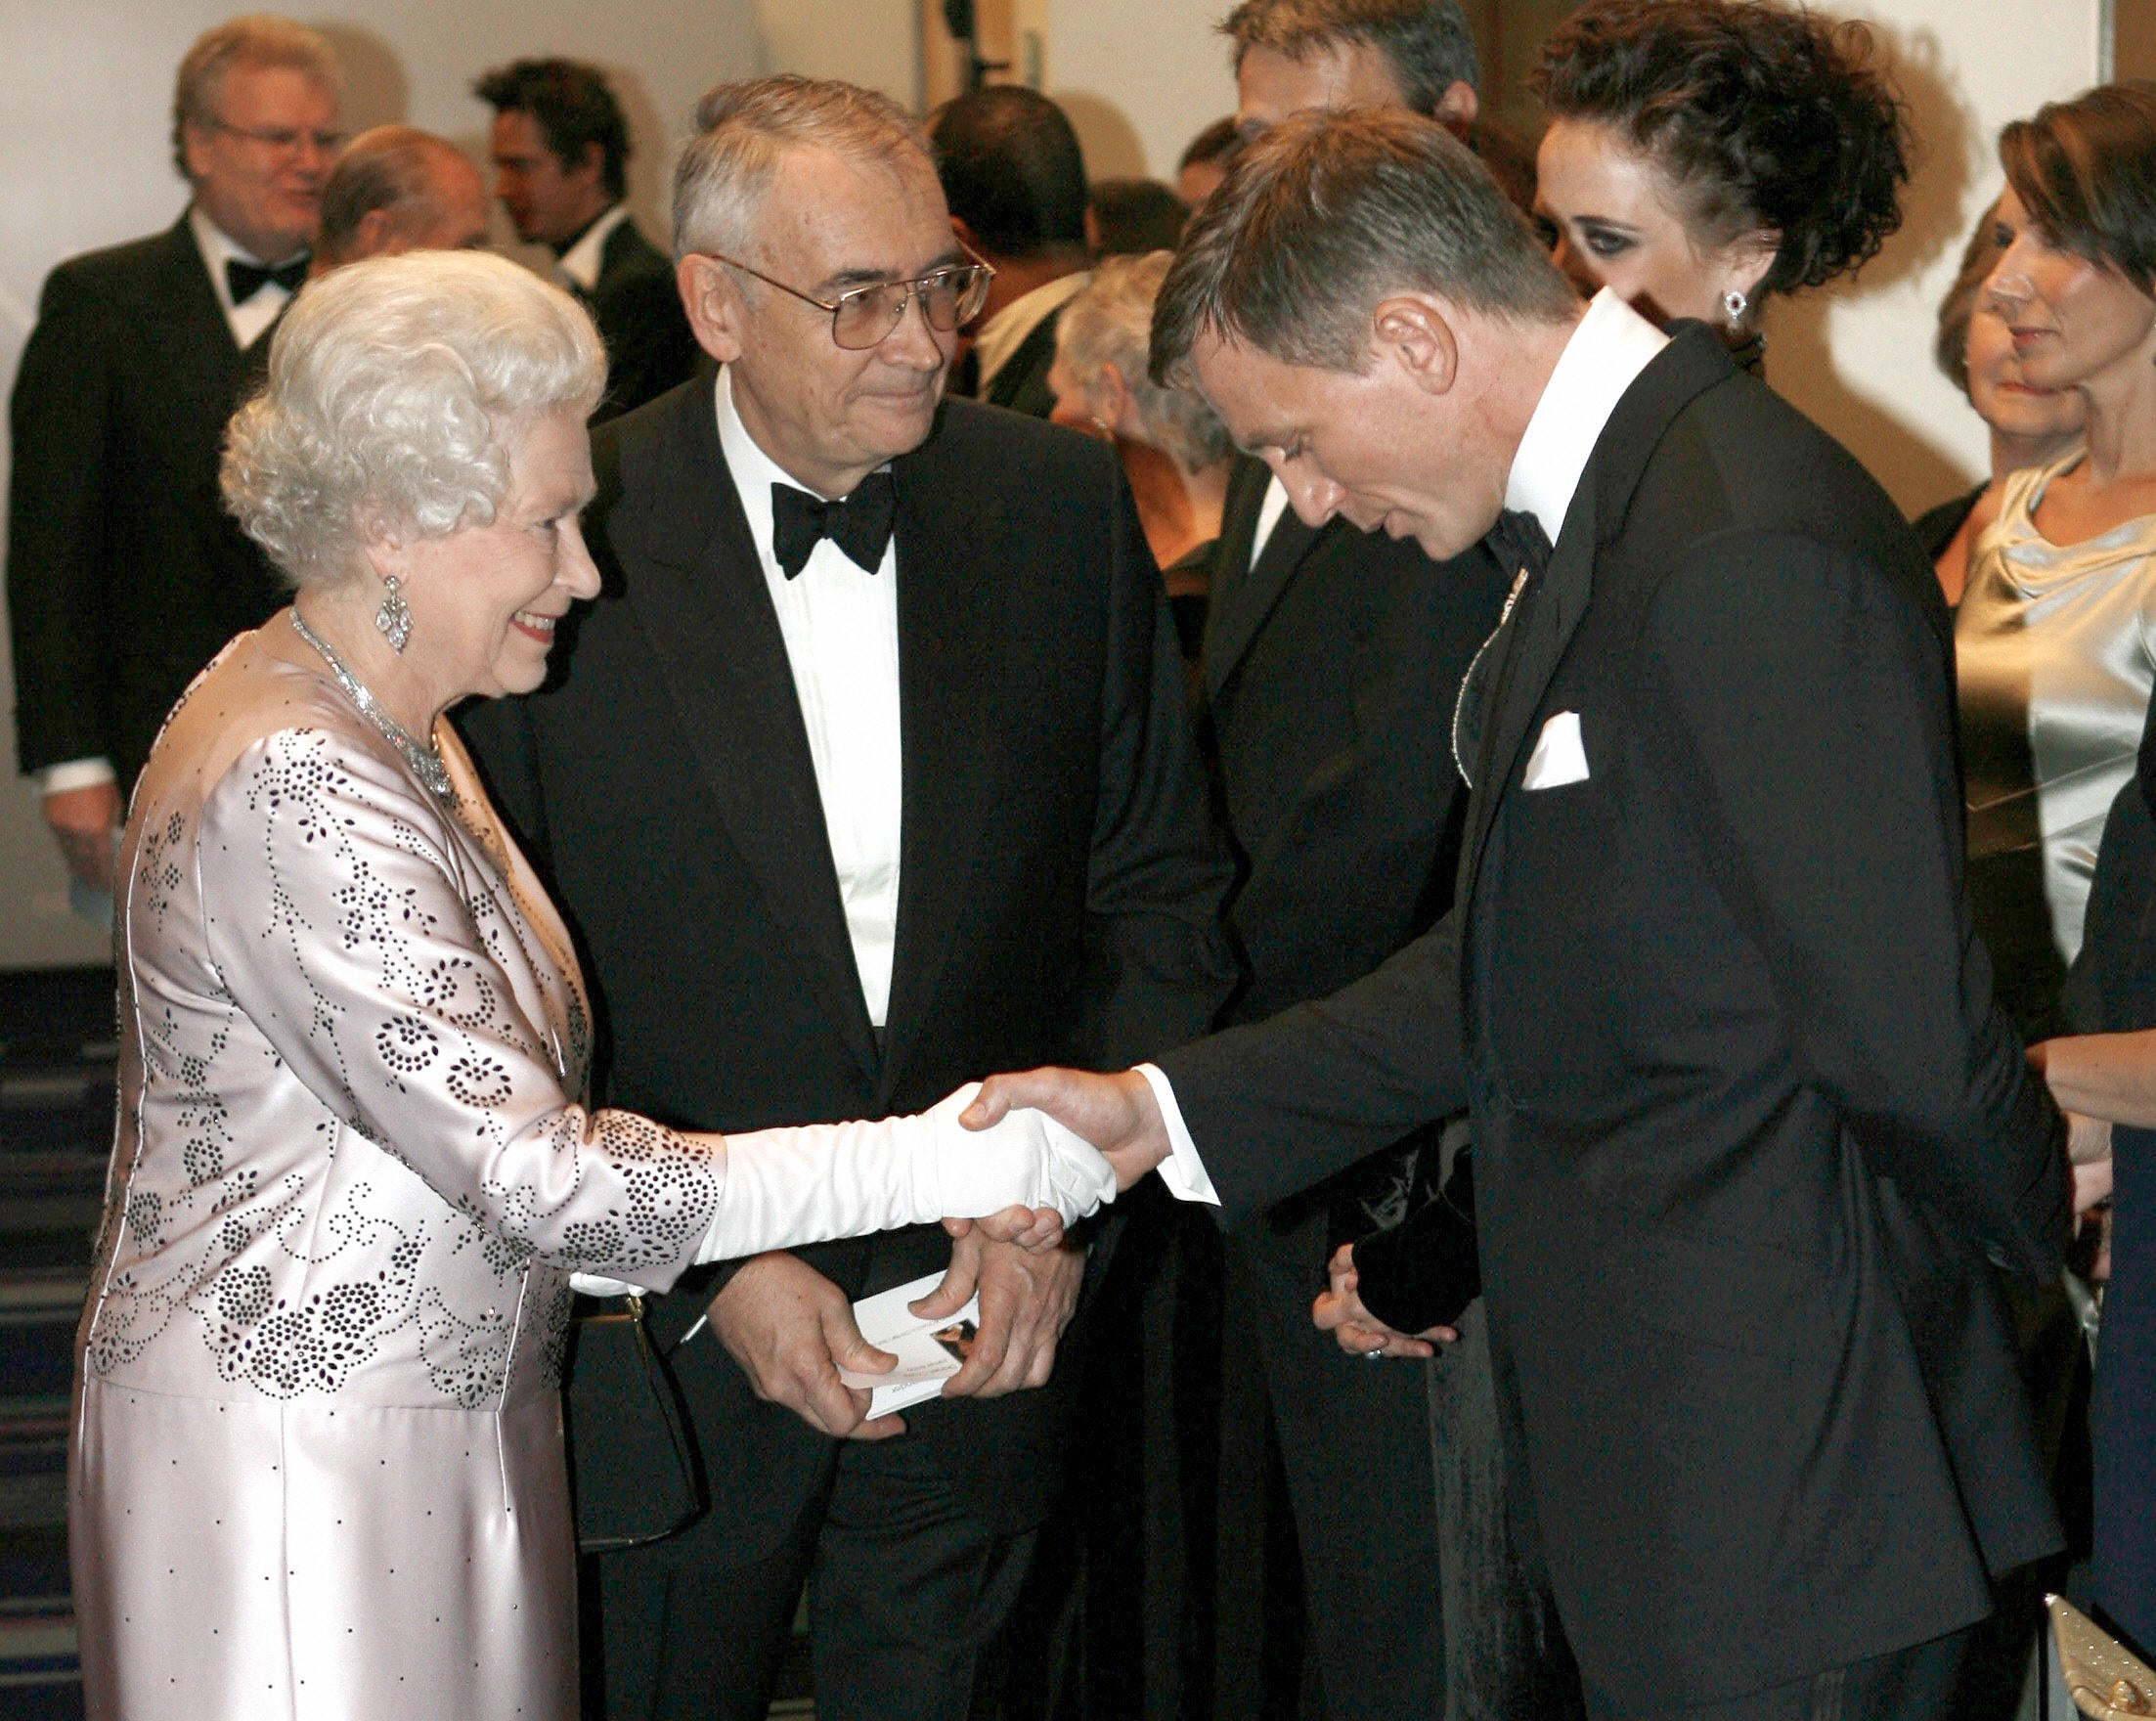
x=1015, y=180
x=850, y=801
x=1327, y=651
x=560, y=149
x=125, y=574
x=1747, y=1122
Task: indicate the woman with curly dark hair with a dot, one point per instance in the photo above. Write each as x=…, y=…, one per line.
x=1704, y=153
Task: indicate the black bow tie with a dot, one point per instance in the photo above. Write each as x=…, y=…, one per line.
x=860, y=524
x=1520, y=542
x=245, y=280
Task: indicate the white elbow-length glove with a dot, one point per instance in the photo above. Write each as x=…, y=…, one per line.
x=786, y=1187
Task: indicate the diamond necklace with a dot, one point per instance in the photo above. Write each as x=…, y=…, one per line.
x=423, y=758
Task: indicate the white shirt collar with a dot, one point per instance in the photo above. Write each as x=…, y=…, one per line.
x=1003, y=334
x=754, y=471
x=218, y=248
x=579, y=263
x=1608, y=349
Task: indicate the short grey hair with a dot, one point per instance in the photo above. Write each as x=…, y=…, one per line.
x=258, y=40
x=742, y=129
x=395, y=388
x=1110, y=323
x=390, y=167
x=1328, y=213
x=1425, y=43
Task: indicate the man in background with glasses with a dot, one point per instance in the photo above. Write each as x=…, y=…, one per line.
x=124, y=573
x=870, y=774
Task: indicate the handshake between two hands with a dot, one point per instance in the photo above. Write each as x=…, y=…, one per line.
x=1071, y=1141
x=1113, y=1124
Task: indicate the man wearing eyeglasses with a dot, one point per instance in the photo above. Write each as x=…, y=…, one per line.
x=871, y=772
x=124, y=573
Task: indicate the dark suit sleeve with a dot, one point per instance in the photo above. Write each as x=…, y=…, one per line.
x=499, y=734
x=1158, y=962
x=1803, y=702
x=1286, y=1103
x=57, y=503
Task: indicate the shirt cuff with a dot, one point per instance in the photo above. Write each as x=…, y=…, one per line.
x=72, y=773
x=1183, y=1172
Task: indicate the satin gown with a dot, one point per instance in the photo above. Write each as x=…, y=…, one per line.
x=2055, y=655
x=316, y=1467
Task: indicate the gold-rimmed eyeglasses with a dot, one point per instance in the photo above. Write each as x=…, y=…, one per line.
x=282, y=140
x=864, y=315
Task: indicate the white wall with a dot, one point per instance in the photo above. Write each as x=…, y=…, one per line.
x=1139, y=78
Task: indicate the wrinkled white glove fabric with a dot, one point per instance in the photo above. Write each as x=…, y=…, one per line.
x=786, y=1187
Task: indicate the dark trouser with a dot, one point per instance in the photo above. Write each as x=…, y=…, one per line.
x=906, y=1587
x=1504, y=1652
x=1356, y=1443
x=1916, y=1684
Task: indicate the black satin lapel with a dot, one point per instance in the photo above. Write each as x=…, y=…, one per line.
x=951, y=614
x=708, y=616
x=196, y=322
x=1235, y=617
x=1532, y=652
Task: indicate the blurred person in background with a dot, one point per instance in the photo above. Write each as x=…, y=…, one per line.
x=1129, y=218
x=1205, y=161
x=560, y=149
x=1703, y=155
x=1015, y=180
x=2029, y=426
x=399, y=188
x=124, y=573
x=2051, y=635
x=1172, y=448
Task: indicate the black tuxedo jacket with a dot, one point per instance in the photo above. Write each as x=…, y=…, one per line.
x=1022, y=385
x=650, y=347
x=1744, y=1110
x=1330, y=669
x=125, y=574
x=1060, y=884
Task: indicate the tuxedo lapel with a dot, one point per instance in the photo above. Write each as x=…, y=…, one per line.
x=950, y=616
x=1249, y=591
x=1530, y=644
x=1533, y=643
x=196, y=321
x=697, y=590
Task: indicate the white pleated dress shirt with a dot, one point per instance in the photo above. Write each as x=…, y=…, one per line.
x=1611, y=346
x=841, y=627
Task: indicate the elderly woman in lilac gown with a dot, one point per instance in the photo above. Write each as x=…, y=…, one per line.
x=317, y=1462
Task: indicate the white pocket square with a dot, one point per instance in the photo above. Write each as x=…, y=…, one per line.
x=1559, y=756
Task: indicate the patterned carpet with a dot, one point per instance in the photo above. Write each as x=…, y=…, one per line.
x=56, y=1129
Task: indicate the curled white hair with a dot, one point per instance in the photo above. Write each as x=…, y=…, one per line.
x=395, y=386
x=1109, y=322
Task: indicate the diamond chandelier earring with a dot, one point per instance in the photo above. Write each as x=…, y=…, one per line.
x=393, y=620
x=1735, y=305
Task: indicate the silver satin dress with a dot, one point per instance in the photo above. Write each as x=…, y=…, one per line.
x=317, y=1463
x=2055, y=654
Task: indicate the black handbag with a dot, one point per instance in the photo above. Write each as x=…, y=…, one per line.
x=624, y=1400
